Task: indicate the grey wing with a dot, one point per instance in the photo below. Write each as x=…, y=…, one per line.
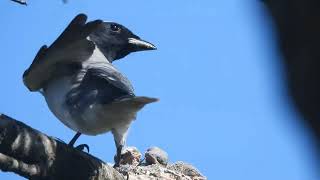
x=99, y=85
x=72, y=46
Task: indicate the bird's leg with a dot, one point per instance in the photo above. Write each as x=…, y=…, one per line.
x=141, y=161
x=117, y=159
x=74, y=139
x=120, y=136
x=81, y=147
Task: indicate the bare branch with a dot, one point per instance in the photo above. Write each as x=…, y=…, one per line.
x=10, y=164
x=297, y=29
x=23, y=2
x=34, y=155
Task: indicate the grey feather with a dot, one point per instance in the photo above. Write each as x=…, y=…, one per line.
x=101, y=85
x=70, y=47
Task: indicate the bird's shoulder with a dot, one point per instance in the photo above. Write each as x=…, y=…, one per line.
x=72, y=46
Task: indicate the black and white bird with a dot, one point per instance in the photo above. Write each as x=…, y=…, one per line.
x=81, y=86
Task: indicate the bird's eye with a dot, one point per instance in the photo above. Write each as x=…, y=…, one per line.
x=115, y=27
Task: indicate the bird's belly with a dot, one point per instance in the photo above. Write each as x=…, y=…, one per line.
x=55, y=93
x=98, y=119
x=95, y=119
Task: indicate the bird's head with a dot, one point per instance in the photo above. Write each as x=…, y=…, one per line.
x=116, y=41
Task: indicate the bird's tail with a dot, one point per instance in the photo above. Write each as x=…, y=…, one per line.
x=136, y=102
x=139, y=100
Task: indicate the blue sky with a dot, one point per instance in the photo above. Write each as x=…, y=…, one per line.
x=223, y=106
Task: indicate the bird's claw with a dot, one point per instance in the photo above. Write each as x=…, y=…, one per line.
x=116, y=164
x=81, y=147
x=141, y=162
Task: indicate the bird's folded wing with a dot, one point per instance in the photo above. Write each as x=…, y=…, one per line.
x=71, y=46
x=99, y=85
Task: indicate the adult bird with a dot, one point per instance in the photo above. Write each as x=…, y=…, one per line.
x=81, y=86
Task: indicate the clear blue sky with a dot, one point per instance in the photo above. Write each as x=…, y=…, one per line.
x=223, y=106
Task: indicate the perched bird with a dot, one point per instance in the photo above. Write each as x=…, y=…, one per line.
x=81, y=86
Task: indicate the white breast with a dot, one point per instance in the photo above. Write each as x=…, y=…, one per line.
x=55, y=94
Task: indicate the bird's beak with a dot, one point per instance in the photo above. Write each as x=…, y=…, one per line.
x=137, y=44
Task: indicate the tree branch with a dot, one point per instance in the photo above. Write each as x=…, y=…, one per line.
x=297, y=28
x=34, y=155
x=10, y=164
x=23, y=2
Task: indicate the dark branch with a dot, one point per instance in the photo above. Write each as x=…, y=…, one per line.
x=296, y=22
x=32, y=154
x=12, y=165
x=23, y=2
